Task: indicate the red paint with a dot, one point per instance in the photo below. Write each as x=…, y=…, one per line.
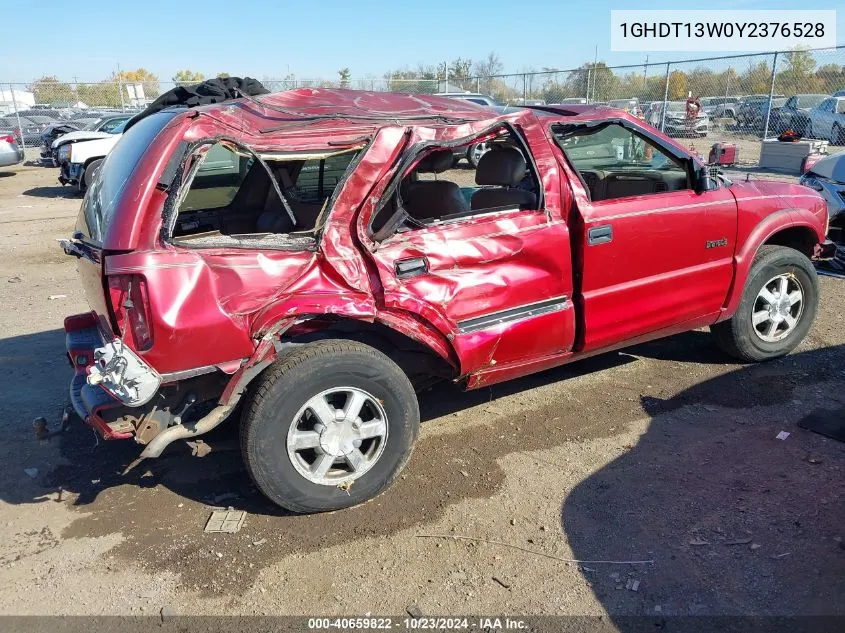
x=218, y=306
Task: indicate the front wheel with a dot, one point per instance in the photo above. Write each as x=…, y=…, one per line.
x=777, y=308
x=329, y=426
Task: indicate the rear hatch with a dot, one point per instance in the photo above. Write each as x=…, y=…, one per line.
x=98, y=210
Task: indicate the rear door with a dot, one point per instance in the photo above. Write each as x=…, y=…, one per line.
x=496, y=281
x=656, y=254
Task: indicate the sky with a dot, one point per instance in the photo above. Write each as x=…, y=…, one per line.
x=271, y=39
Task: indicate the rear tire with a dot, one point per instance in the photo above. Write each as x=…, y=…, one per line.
x=760, y=330
x=294, y=421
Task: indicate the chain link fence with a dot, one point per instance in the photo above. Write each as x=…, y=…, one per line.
x=743, y=99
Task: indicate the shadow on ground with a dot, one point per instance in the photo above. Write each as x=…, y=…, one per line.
x=736, y=521
x=686, y=478
x=52, y=192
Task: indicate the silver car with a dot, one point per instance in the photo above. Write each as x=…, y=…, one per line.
x=11, y=153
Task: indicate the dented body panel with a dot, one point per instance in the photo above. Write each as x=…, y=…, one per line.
x=504, y=294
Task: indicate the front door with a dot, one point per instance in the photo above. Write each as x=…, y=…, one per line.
x=656, y=254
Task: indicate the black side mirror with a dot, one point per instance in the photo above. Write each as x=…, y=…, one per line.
x=704, y=180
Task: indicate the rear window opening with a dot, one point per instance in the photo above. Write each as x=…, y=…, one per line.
x=231, y=196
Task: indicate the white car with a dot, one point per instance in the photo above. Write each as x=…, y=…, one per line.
x=79, y=162
x=827, y=121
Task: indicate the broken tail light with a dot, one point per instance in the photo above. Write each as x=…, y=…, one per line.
x=130, y=308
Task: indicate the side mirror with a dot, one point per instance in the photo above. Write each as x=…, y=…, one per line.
x=705, y=181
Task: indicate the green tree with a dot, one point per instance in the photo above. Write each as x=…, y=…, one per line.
x=345, y=75
x=183, y=77
x=678, y=85
x=48, y=89
x=223, y=75
x=757, y=79
x=797, y=75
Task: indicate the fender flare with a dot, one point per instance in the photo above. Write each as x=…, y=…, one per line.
x=744, y=257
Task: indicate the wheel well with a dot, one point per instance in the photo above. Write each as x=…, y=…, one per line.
x=91, y=160
x=421, y=364
x=801, y=238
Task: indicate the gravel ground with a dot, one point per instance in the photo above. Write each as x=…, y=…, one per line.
x=664, y=453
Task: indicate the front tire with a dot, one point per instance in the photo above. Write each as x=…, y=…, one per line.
x=330, y=425
x=777, y=309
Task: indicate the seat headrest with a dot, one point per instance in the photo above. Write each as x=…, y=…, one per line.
x=436, y=162
x=502, y=166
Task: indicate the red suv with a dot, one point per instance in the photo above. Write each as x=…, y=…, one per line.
x=312, y=258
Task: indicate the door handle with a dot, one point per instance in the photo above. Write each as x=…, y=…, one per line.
x=411, y=267
x=600, y=235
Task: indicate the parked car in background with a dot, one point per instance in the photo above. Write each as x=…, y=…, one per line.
x=471, y=153
x=827, y=121
x=54, y=131
x=631, y=106
x=80, y=161
x=752, y=112
x=317, y=309
x=11, y=151
x=794, y=114
x=471, y=97
x=572, y=101
x=101, y=127
x=839, y=93
x=828, y=178
x=676, y=122
x=30, y=131
x=724, y=108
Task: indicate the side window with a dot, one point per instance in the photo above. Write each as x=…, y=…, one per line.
x=491, y=174
x=228, y=191
x=112, y=127
x=614, y=162
x=318, y=178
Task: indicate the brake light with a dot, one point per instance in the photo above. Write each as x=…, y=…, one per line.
x=82, y=321
x=130, y=307
x=8, y=139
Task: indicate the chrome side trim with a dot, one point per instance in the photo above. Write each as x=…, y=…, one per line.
x=512, y=314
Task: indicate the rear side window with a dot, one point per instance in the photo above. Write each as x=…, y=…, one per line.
x=102, y=197
x=317, y=179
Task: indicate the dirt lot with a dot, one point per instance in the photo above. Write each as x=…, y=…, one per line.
x=664, y=453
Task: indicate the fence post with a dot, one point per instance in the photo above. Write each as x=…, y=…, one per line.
x=771, y=94
x=18, y=117
x=478, y=85
x=588, y=83
x=524, y=89
x=665, y=99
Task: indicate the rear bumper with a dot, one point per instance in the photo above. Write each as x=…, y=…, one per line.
x=82, y=336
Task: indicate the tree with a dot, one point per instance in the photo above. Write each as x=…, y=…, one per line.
x=345, y=75
x=223, y=75
x=678, y=85
x=183, y=77
x=757, y=79
x=48, y=89
x=797, y=74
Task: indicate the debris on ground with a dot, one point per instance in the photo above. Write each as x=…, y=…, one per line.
x=698, y=542
x=199, y=448
x=464, y=473
x=227, y=521
x=632, y=585
x=40, y=426
x=414, y=611
x=259, y=542
x=739, y=541
x=32, y=472
x=504, y=584
x=812, y=458
x=54, y=297
x=167, y=612
x=782, y=435
x=14, y=280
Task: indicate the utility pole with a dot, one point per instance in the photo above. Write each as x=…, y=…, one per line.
x=645, y=74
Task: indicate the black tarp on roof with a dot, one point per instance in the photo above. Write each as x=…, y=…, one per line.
x=210, y=91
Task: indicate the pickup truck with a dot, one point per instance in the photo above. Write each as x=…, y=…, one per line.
x=306, y=261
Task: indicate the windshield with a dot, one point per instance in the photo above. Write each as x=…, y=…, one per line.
x=809, y=101
x=101, y=199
